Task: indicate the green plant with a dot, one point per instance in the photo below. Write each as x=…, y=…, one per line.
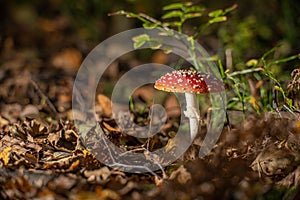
x=174, y=18
x=179, y=13
x=253, y=87
x=256, y=85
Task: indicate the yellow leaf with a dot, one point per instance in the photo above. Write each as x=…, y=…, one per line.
x=4, y=155
x=254, y=103
x=74, y=165
x=171, y=143
x=86, y=152
x=298, y=126
x=251, y=62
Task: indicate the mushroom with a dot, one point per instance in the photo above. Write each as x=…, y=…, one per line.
x=190, y=83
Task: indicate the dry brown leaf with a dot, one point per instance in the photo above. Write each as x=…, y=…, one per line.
x=63, y=182
x=107, y=194
x=34, y=127
x=109, y=128
x=53, y=138
x=89, y=161
x=275, y=161
x=71, y=135
x=158, y=181
x=19, y=183
x=160, y=57
x=11, y=111
x=145, y=93
x=292, y=179
x=181, y=175
x=34, y=146
x=64, y=98
x=53, y=25
x=297, y=126
x=105, y=104
x=68, y=59
x=129, y=187
x=63, y=163
x=83, y=195
x=74, y=166
x=29, y=110
x=3, y=121
x=104, y=173
x=172, y=106
x=31, y=158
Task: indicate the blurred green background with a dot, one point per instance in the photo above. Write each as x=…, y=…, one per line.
x=45, y=27
x=252, y=29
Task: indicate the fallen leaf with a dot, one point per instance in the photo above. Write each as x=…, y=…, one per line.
x=4, y=155
x=105, y=104
x=31, y=158
x=68, y=59
x=292, y=179
x=63, y=182
x=29, y=110
x=64, y=98
x=171, y=143
x=53, y=138
x=160, y=57
x=109, y=128
x=70, y=135
x=181, y=175
x=104, y=173
x=145, y=93
x=107, y=194
x=74, y=166
x=129, y=187
x=172, y=106
x=3, y=121
x=158, y=181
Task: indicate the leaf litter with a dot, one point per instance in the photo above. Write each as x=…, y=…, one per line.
x=43, y=159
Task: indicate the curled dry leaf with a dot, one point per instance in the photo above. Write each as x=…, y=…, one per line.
x=181, y=175
x=63, y=182
x=74, y=166
x=3, y=121
x=110, y=128
x=70, y=135
x=275, y=161
x=102, y=173
x=53, y=138
x=158, y=181
x=129, y=187
x=291, y=179
x=105, y=104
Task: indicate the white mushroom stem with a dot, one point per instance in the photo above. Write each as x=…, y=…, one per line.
x=193, y=113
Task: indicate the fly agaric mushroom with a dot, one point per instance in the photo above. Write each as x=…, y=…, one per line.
x=190, y=83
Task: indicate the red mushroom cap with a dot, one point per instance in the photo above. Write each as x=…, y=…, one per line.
x=189, y=81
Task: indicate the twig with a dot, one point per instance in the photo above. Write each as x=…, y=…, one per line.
x=43, y=96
